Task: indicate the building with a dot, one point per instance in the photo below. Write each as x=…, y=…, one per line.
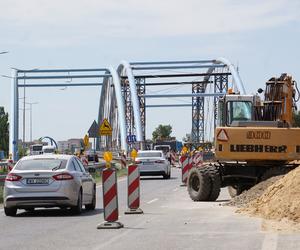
x=70, y=146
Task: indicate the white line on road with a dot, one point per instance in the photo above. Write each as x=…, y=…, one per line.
x=270, y=241
x=175, y=189
x=154, y=200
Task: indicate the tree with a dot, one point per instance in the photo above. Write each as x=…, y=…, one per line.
x=162, y=132
x=4, y=132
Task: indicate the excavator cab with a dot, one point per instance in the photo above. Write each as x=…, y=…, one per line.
x=234, y=109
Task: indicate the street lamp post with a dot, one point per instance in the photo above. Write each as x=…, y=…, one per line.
x=30, y=109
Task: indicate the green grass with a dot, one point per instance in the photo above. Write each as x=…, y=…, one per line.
x=120, y=173
x=3, y=171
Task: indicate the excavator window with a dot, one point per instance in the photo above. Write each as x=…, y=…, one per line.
x=238, y=111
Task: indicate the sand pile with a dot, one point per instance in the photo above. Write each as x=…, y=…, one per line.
x=255, y=192
x=280, y=201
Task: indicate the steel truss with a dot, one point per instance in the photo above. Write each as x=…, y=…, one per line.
x=163, y=74
x=38, y=78
x=198, y=113
x=220, y=86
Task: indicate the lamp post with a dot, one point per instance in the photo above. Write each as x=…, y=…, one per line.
x=30, y=109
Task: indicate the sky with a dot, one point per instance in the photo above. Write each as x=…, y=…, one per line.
x=261, y=37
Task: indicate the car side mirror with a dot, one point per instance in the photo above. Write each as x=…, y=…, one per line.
x=92, y=170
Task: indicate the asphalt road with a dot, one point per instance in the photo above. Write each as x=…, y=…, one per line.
x=170, y=221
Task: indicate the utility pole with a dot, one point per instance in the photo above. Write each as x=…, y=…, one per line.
x=24, y=113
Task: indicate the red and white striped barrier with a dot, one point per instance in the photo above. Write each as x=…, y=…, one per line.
x=110, y=199
x=197, y=159
x=10, y=165
x=133, y=190
x=185, y=166
x=173, y=158
x=84, y=160
x=123, y=161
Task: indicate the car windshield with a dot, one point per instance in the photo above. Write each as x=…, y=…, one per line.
x=149, y=154
x=41, y=164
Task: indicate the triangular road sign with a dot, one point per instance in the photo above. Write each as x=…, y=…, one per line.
x=222, y=135
x=93, y=131
x=105, y=128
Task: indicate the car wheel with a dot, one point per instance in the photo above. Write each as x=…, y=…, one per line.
x=92, y=206
x=78, y=208
x=10, y=211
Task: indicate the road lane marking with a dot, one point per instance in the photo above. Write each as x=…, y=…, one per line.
x=154, y=200
x=270, y=241
x=174, y=190
x=122, y=234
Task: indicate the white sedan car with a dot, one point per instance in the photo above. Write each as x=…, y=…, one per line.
x=153, y=162
x=48, y=181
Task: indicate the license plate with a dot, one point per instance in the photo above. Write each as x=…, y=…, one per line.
x=148, y=163
x=37, y=181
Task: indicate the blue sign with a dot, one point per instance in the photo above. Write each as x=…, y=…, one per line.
x=131, y=138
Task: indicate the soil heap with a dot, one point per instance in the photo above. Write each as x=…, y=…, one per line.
x=255, y=192
x=280, y=201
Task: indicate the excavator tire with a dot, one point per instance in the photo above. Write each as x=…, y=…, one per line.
x=199, y=184
x=215, y=180
x=275, y=171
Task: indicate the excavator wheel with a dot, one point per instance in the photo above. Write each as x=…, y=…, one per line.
x=215, y=180
x=199, y=184
x=275, y=171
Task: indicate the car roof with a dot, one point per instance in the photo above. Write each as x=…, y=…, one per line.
x=48, y=156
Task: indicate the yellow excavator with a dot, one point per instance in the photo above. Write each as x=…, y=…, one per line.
x=254, y=140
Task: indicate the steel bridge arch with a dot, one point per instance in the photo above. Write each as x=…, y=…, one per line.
x=111, y=106
x=125, y=69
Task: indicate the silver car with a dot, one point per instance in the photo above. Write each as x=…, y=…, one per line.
x=153, y=162
x=49, y=181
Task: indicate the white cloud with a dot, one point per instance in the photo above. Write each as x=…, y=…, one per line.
x=56, y=22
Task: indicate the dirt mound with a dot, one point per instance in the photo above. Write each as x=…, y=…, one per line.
x=255, y=192
x=281, y=200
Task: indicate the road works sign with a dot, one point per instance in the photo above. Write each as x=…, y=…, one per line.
x=93, y=131
x=105, y=128
x=86, y=141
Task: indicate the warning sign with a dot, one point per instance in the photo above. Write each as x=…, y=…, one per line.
x=222, y=135
x=105, y=128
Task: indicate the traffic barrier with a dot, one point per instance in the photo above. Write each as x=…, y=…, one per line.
x=185, y=166
x=197, y=159
x=133, y=194
x=173, y=158
x=110, y=200
x=84, y=160
x=10, y=165
x=123, y=161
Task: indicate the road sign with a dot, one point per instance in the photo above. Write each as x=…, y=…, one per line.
x=131, y=138
x=86, y=141
x=93, y=131
x=105, y=128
